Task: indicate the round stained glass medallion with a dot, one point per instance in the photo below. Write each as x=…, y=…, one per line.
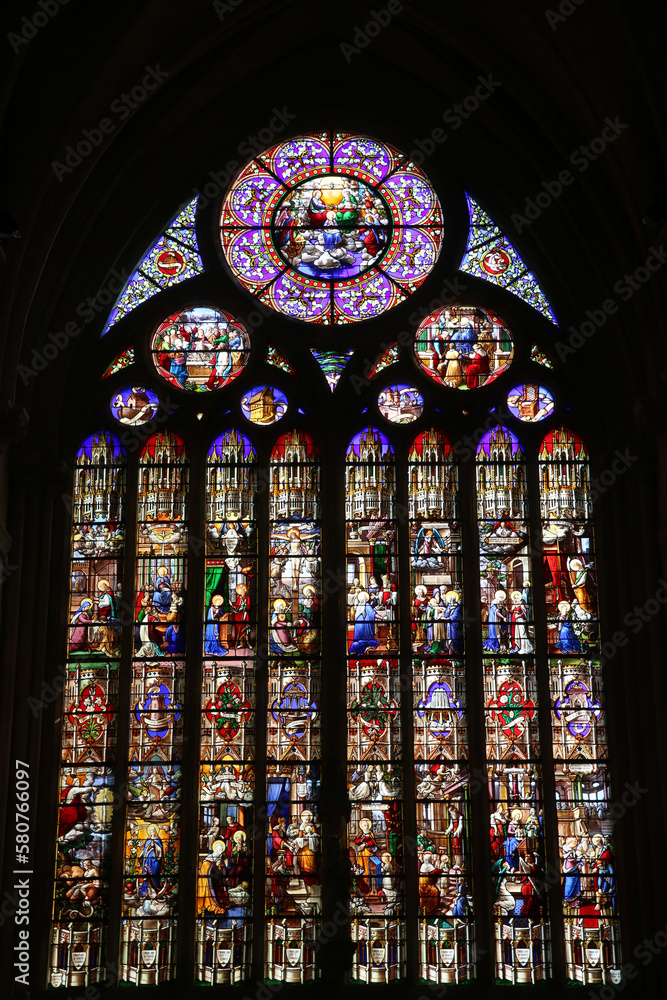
x=264, y=404
x=331, y=227
x=200, y=349
x=401, y=404
x=530, y=402
x=134, y=406
x=464, y=347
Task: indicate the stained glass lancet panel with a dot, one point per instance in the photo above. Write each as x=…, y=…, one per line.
x=522, y=943
x=446, y=930
x=90, y=699
x=375, y=833
x=293, y=887
x=224, y=885
x=592, y=940
x=152, y=831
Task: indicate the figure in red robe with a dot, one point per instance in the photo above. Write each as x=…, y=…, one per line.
x=478, y=366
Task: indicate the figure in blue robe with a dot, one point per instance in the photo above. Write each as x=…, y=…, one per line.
x=454, y=628
x=572, y=884
x=364, y=630
x=495, y=622
x=151, y=859
x=512, y=852
x=567, y=638
x=175, y=636
x=211, y=642
x=462, y=906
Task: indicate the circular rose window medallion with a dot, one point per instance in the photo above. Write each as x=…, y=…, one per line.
x=200, y=349
x=530, y=402
x=264, y=404
x=331, y=227
x=464, y=347
x=401, y=404
x=134, y=406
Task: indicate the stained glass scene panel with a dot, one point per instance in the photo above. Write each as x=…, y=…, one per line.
x=583, y=794
x=200, y=349
x=522, y=941
x=463, y=347
x=88, y=734
x=293, y=887
x=567, y=538
x=505, y=575
x=375, y=830
x=226, y=783
x=446, y=929
x=152, y=828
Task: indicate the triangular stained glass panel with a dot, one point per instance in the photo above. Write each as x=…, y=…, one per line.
x=539, y=357
x=123, y=360
x=386, y=359
x=332, y=364
x=491, y=256
x=173, y=258
x=275, y=358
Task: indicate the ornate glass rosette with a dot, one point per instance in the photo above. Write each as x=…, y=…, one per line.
x=331, y=227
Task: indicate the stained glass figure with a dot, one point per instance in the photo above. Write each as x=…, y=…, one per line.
x=584, y=805
x=264, y=404
x=173, y=258
x=152, y=826
x=389, y=357
x=226, y=782
x=530, y=402
x=293, y=836
x=446, y=929
x=275, y=358
x=522, y=930
x=90, y=701
x=332, y=364
x=375, y=831
x=134, y=406
x=401, y=404
x=123, y=360
x=200, y=349
x=331, y=227
x=567, y=545
x=490, y=255
x=539, y=357
x=463, y=347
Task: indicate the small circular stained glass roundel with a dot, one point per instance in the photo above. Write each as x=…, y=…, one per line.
x=530, y=402
x=134, y=406
x=264, y=404
x=464, y=347
x=331, y=227
x=200, y=349
x=401, y=404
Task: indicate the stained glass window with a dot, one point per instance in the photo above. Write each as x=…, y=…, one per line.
x=226, y=780
x=173, y=258
x=331, y=227
x=583, y=794
x=154, y=775
x=375, y=829
x=293, y=833
x=513, y=751
x=444, y=869
x=78, y=951
x=346, y=673
x=462, y=347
